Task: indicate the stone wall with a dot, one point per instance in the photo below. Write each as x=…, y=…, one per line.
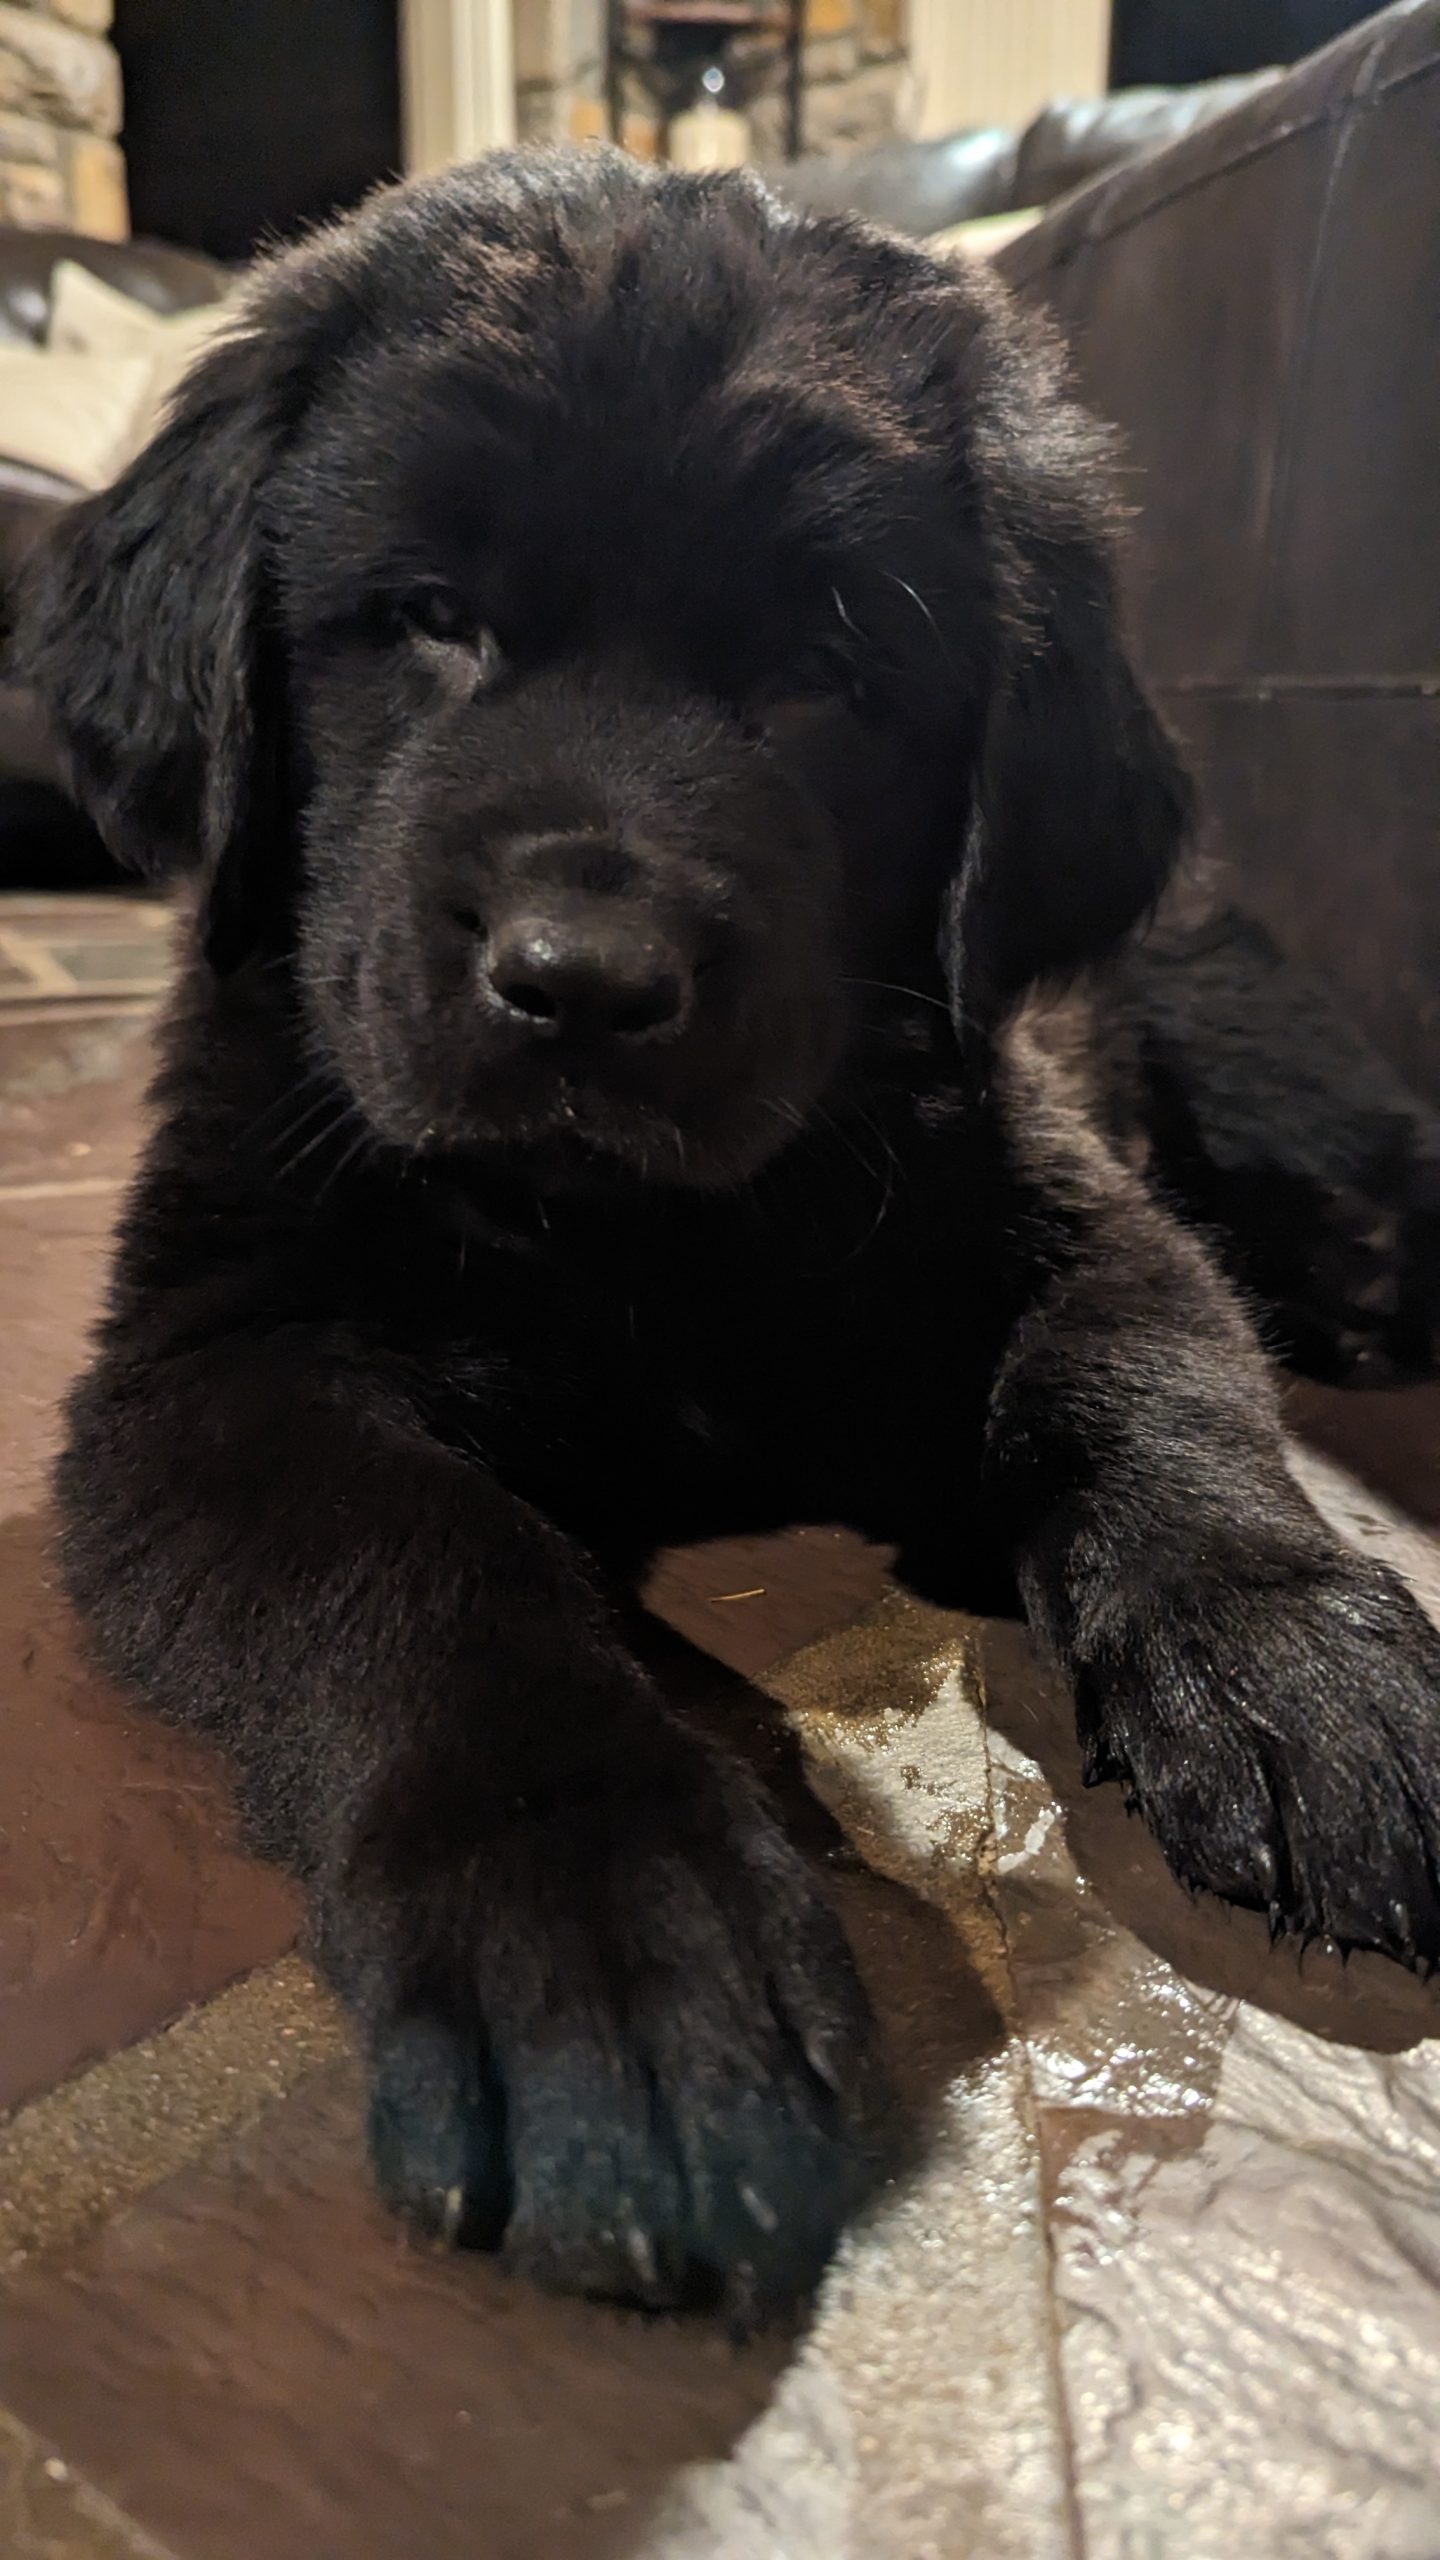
x=59, y=115
x=855, y=68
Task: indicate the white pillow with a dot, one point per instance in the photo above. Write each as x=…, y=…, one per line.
x=80, y=416
x=982, y=237
x=89, y=317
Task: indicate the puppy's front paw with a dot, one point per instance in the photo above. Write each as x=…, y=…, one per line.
x=622, y=2038
x=1279, y=1728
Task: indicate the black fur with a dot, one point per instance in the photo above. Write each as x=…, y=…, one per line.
x=1313, y=1169
x=713, y=609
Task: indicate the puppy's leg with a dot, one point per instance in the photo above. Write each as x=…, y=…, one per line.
x=1292, y=1143
x=1270, y=1701
x=610, y=2020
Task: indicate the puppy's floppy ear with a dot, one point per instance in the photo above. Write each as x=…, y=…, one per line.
x=145, y=633
x=1080, y=802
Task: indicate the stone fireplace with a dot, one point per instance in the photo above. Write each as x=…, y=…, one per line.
x=60, y=163
x=855, y=70
x=60, y=97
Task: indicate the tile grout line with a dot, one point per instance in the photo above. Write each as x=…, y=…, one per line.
x=109, y=2533
x=35, y=961
x=77, y=2155
x=89, y=1186
x=91, y=1005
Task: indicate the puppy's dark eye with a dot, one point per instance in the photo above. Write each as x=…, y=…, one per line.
x=814, y=681
x=440, y=614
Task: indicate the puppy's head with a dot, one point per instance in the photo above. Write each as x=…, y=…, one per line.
x=598, y=624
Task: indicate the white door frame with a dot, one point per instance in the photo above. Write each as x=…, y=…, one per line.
x=457, y=62
x=981, y=62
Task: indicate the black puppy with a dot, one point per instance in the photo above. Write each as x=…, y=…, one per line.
x=637, y=677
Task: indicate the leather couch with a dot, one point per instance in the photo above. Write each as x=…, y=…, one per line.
x=925, y=187
x=1258, y=309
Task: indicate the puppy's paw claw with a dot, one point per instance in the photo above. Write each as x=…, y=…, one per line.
x=639, y=2072
x=1282, y=1741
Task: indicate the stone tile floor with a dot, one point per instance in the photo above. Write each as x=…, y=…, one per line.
x=1163, y=2285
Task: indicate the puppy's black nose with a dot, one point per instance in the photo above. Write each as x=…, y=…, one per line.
x=592, y=974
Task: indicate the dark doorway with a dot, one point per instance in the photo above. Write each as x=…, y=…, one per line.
x=247, y=119
x=1175, y=41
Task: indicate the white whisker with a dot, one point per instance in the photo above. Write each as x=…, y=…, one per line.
x=919, y=602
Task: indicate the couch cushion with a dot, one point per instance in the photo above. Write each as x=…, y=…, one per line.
x=165, y=279
x=72, y=417
x=986, y=237
x=88, y=317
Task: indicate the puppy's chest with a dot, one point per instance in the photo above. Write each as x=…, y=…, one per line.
x=727, y=1370
x=633, y=1371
